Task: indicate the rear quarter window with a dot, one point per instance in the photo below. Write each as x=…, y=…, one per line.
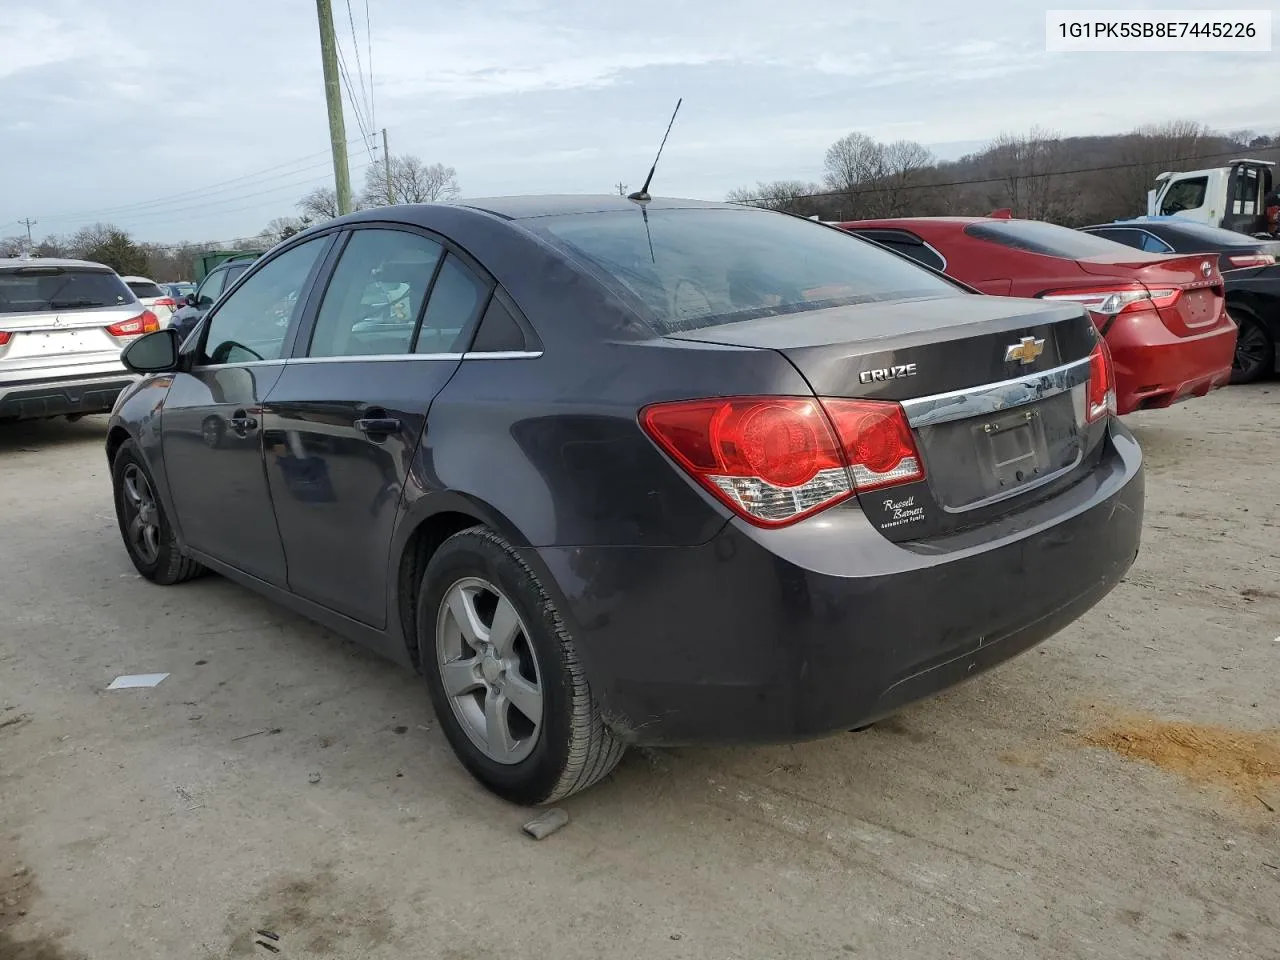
x=37, y=289
x=141, y=290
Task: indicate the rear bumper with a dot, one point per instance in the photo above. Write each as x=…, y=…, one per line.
x=780, y=635
x=62, y=395
x=1156, y=368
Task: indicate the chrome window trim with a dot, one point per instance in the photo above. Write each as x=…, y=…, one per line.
x=994, y=397
x=228, y=366
x=389, y=357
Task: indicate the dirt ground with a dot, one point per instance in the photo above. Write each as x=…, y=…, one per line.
x=1114, y=793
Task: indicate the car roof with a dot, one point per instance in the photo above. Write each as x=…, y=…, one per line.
x=902, y=222
x=528, y=207
x=51, y=262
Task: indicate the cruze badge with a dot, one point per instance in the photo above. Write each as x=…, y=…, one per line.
x=887, y=373
x=1025, y=351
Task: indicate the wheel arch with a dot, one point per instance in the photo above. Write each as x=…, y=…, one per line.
x=427, y=524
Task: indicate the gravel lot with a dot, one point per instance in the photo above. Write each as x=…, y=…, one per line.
x=1114, y=793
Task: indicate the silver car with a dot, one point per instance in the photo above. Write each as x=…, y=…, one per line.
x=63, y=324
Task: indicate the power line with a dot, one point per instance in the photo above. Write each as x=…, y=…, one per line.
x=368, y=41
x=198, y=191
x=859, y=191
x=365, y=130
x=355, y=43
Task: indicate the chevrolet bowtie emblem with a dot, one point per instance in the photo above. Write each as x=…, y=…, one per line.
x=1024, y=351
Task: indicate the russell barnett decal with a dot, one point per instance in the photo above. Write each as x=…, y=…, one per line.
x=901, y=512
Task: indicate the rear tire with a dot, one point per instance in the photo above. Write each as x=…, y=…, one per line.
x=144, y=527
x=1255, y=355
x=486, y=624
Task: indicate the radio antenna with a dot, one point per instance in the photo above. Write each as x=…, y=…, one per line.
x=642, y=195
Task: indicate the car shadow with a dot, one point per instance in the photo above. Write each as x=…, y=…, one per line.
x=34, y=435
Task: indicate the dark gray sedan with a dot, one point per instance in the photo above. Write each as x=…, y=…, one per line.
x=609, y=472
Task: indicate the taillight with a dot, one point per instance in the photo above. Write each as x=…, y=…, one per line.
x=1241, y=260
x=145, y=322
x=776, y=460
x=5, y=336
x=1102, y=384
x=169, y=302
x=1106, y=303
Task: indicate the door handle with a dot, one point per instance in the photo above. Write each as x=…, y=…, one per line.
x=241, y=422
x=378, y=426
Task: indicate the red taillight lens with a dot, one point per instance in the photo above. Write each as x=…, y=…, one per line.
x=1106, y=303
x=165, y=302
x=145, y=322
x=1102, y=384
x=5, y=337
x=775, y=460
x=1242, y=260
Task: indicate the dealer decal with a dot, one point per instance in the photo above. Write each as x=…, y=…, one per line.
x=901, y=512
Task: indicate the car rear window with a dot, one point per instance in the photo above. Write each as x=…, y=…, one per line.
x=694, y=268
x=1044, y=238
x=1213, y=237
x=37, y=289
x=141, y=290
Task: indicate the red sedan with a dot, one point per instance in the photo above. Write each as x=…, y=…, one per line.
x=1162, y=316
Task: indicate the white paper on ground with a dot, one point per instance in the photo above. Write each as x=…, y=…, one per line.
x=136, y=680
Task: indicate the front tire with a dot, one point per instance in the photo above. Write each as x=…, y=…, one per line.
x=144, y=527
x=504, y=676
x=1255, y=354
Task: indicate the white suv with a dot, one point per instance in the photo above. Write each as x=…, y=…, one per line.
x=63, y=324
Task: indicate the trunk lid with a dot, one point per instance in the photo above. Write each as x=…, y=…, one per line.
x=995, y=434
x=1199, y=304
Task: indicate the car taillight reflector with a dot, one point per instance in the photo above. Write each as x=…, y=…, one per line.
x=5, y=336
x=1101, y=400
x=776, y=460
x=1242, y=260
x=145, y=322
x=165, y=302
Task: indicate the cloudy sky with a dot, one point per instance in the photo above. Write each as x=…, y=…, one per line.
x=197, y=121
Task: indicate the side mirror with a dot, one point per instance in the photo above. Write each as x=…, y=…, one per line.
x=154, y=353
x=189, y=299
x=204, y=303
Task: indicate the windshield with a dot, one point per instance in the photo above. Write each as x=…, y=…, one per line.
x=46, y=289
x=1046, y=238
x=689, y=269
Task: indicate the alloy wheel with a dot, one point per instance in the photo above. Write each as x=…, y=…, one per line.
x=489, y=671
x=142, y=514
x=1251, y=348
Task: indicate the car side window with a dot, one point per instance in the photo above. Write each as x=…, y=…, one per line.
x=1185, y=195
x=252, y=322
x=375, y=295
x=211, y=288
x=907, y=244
x=1153, y=244
x=499, y=330
x=456, y=298
x=1130, y=238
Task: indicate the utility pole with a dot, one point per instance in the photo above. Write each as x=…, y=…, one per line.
x=386, y=168
x=28, y=223
x=333, y=99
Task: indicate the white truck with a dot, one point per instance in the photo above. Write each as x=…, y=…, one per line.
x=1232, y=197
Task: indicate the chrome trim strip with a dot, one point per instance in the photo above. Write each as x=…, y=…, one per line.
x=377, y=357
x=247, y=363
x=503, y=355
x=994, y=397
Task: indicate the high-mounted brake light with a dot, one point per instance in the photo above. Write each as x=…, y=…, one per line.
x=1241, y=260
x=1101, y=398
x=145, y=322
x=776, y=460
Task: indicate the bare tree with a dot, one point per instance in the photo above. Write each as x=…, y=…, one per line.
x=1152, y=150
x=282, y=228
x=412, y=181
x=320, y=204
x=12, y=246
x=853, y=163
x=793, y=196
x=1029, y=167
x=905, y=163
